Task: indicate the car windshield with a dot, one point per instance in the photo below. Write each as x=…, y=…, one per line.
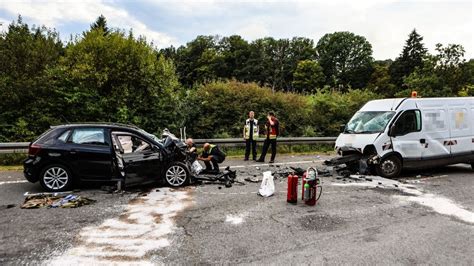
x=368, y=122
x=151, y=136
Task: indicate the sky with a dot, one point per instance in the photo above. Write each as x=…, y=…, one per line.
x=385, y=23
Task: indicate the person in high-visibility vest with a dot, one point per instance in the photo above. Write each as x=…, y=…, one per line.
x=250, y=136
x=272, y=128
x=211, y=154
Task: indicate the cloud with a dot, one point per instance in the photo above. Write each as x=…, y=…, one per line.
x=57, y=13
x=253, y=31
x=385, y=23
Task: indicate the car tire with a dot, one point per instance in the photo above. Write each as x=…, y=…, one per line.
x=177, y=174
x=472, y=166
x=56, y=178
x=389, y=167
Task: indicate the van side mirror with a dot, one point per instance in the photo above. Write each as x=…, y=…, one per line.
x=391, y=131
x=342, y=127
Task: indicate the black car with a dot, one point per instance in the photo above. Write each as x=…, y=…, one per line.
x=66, y=154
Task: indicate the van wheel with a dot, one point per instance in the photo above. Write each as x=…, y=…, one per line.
x=389, y=167
x=177, y=174
x=55, y=178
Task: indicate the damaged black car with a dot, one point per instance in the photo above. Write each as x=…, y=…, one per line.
x=69, y=154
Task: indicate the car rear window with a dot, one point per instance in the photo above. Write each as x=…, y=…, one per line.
x=63, y=137
x=47, y=137
x=91, y=136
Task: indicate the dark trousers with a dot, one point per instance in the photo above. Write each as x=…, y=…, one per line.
x=266, y=145
x=213, y=165
x=248, y=143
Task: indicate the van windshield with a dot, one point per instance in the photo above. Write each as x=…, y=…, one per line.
x=369, y=122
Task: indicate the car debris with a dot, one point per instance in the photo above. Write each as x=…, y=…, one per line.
x=267, y=188
x=49, y=200
x=227, y=177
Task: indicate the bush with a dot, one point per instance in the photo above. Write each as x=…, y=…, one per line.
x=330, y=109
x=221, y=107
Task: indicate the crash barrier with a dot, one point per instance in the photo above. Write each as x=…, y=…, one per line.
x=22, y=147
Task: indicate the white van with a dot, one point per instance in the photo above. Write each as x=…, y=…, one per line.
x=411, y=133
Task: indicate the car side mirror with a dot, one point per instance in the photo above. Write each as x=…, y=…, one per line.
x=342, y=127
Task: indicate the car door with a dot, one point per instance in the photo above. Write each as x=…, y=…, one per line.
x=141, y=159
x=406, y=135
x=90, y=153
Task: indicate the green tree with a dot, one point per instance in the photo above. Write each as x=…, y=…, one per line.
x=380, y=80
x=198, y=61
x=26, y=55
x=441, y=74
x=100, y=23
x=235, y=52
x=118, y=78
x=308, y=76
x=346, y=59
x=411, y=57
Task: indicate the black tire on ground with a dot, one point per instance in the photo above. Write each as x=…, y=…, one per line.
x=472, y=166
x=389, y=167
x=56, y=178
x=177, y=174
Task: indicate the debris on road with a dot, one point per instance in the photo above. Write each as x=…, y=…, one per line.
x=267, y=188
x=55, y=201
x=252, y=180
x=227, y=177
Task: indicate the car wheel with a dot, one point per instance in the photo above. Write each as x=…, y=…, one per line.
x=472, y=166
x=56, y=178
x=177, y=174
x=389, y=167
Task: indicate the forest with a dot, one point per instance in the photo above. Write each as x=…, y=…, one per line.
x=209, y=84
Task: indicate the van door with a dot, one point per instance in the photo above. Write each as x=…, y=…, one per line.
x=406, y=135
x=460, y=140
x=435, y=133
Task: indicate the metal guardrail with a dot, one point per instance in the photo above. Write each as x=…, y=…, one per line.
x=22, y=147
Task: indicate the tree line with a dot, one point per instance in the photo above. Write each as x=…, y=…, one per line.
x=210, y=83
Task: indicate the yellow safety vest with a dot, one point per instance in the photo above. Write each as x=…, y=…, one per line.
x=247, y=129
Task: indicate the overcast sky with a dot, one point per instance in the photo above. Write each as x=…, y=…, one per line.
x=385, y=23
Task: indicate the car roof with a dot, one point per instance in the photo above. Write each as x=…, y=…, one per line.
x=97, y=124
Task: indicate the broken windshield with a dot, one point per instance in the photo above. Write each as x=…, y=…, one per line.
x=368, y=122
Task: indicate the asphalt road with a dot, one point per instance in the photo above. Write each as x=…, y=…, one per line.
x=422, y=218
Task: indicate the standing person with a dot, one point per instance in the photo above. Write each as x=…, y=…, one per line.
x=272, y=128
x=250, y=136
x=212, y=154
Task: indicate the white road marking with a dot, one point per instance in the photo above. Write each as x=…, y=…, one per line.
x=266, y=164
x=144, y=226
x=13, y=182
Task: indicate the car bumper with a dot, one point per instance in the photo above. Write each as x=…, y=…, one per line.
x=31, y=169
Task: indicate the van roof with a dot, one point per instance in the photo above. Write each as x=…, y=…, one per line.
x=382, y=105
x=393, y=104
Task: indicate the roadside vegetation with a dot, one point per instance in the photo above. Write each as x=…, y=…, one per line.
x=209, y=84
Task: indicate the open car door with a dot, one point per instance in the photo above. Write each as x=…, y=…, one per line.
x=142, y=160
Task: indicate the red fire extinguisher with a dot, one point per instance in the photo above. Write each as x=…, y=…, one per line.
x=292, y=194
x=310, y=187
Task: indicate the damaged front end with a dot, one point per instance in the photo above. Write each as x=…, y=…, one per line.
x=354, y=161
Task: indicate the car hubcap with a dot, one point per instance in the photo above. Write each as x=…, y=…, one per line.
x=176, y=175
x=389, y=167
x=55, y=178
